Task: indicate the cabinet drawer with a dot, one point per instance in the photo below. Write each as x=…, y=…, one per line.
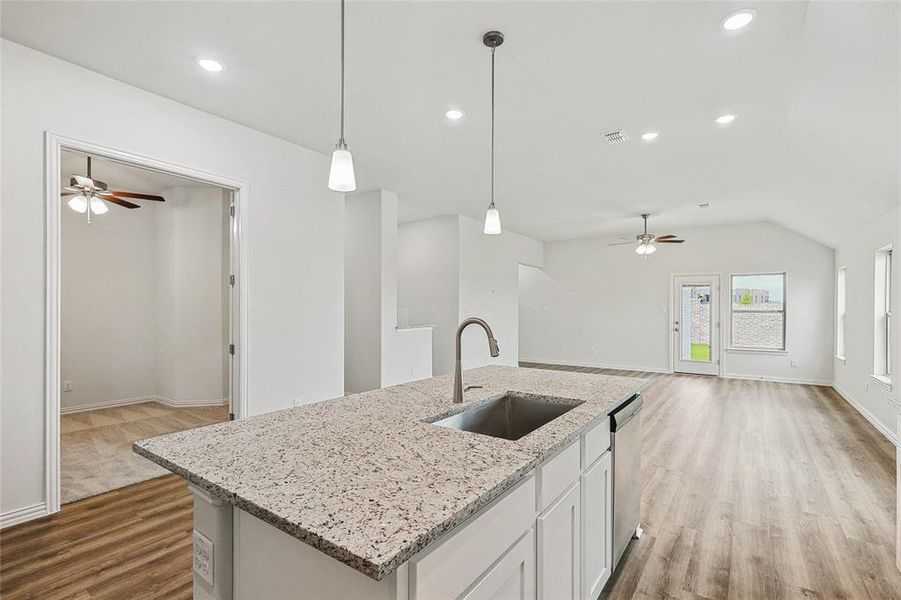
x=595, y=442
x=557, y=474
x=457, y=561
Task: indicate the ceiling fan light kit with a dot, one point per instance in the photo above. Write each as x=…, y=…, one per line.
x=492, y=39
x=341, y=176
x=90, y=196
x=647, y=242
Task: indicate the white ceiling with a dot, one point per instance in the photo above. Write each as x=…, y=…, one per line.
x=815, y=88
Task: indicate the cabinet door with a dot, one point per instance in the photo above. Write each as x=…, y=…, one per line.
x=559, y=539
x=597, y=527
x=513, y=577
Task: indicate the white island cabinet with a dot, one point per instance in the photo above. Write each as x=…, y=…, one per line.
x=549, y=537
x=387, y=495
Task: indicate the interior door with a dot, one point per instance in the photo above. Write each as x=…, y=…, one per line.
x=695, y=324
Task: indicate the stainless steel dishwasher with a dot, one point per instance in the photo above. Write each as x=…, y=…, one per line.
x=625, y=437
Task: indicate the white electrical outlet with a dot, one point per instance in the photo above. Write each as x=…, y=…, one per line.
x=794, y=363
x=203, y=557
x=67, y=385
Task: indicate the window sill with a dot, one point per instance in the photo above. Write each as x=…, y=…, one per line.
x=841, y=358
x=883, y=381
x=755, y=351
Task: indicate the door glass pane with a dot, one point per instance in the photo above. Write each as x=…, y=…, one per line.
x=694, y=336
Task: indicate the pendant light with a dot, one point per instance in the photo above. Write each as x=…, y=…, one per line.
x=341, y=175
x=492, y=39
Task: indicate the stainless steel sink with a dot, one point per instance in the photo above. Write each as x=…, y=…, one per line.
x=509, y=417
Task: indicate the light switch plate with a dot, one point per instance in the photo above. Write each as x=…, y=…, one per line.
x=203, y=557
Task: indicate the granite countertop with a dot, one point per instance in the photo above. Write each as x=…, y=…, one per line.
x=364, y=478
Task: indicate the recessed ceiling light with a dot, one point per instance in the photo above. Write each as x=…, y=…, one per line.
x=650, y=136
x=739, y=19
x=454, y=114
x=725, y=119
x=208, y=64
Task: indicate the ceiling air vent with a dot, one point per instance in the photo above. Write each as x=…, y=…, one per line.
x=615, y=137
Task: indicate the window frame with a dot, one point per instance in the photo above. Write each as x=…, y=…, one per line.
x=841, y=312
x=784, y=311
x=882, y=315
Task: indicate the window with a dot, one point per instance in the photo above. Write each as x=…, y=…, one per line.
x=882, y=338
x=758, y=312
x=840, y=310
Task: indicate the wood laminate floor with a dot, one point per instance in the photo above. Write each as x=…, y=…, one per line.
x=751, y=490
x=759, y=490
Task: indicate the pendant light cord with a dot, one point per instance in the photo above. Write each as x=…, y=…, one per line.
x=341, y=140
x=492, y=128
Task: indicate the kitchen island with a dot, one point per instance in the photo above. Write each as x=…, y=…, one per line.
x=363, y=496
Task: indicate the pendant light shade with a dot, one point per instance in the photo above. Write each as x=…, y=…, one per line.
x=492, y=221
x=492, y=39
x=78, y=203
x=341, y=174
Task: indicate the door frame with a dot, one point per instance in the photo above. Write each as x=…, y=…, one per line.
x=54, y=144
x=717, y=325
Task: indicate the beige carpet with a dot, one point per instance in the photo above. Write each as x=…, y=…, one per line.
x=96, y=444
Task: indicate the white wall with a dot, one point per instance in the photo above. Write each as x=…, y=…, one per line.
x=428, y=262
x=448, y=271
x=489, y=288
x=594, y=297
x=377, y=353
x=853, y=379
x=108, y=306
x=362, y=292
x=406, y=353
x=142, y=308
x=191, y=330
x=295, y=308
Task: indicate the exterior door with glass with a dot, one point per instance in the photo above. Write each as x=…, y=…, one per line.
x=695, y=324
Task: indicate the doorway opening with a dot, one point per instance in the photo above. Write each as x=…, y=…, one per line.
x=145, y=298
x=144, y=316
x=695, y=324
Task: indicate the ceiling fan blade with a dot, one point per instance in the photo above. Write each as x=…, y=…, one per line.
x=670, y=241
x=621, y=243
x=120, y=201
x=68, y=190
x=86, y=182
x=139, y=196
x=664, y=237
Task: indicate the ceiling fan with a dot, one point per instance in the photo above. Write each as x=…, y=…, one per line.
x=88, y=195
x=647, y=240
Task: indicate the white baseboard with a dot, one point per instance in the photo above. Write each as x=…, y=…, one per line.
x=106, y=404
x=595, y=365
x=190, y=403
x=140, y=400
x=888, y=433
x=798, y=380
x=29, y=513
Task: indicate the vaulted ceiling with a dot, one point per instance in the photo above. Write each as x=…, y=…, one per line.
x=815, y=87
